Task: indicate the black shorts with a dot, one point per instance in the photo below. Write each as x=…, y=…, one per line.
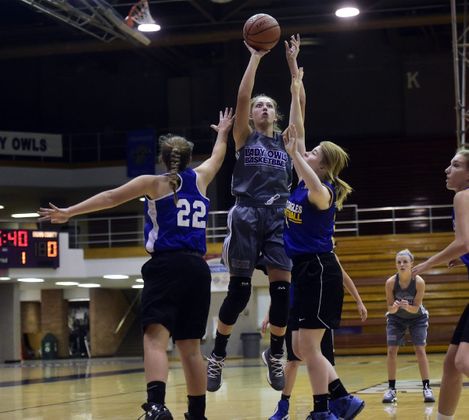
x=176, y=293
x=461, y=333
x=318, y=293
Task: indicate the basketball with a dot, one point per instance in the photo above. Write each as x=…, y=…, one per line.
x=261, y=32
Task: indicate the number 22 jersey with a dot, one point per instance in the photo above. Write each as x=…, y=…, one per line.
x=171, y=227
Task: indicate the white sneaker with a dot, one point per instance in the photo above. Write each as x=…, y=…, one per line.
x=390, y=396
x=428, y=395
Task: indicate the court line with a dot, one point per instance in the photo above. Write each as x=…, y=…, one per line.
x=68, y=377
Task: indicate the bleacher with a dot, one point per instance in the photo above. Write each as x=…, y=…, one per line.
x=369, y=260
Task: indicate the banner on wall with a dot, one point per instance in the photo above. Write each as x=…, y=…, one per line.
x=141, y=153
x=15, y=143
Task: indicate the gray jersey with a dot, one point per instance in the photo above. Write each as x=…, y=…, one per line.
x=407, y=294
x=263, y=172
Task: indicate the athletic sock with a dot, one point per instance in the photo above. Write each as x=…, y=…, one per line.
x=321, y=402
x=426, y=383
x=392, y=383
x=285, y=397
x=221, y=341
x=276, y=344
x=337, y=389
x=197, y=406
x=156, y=392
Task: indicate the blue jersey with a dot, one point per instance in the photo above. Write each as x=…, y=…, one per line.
x=308, y=230
x=263, y=171
x=464, y=258
x=169, y=227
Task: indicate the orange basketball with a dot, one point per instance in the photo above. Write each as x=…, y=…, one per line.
x=261, y=31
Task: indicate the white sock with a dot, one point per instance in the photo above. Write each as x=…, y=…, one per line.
x=443, y=417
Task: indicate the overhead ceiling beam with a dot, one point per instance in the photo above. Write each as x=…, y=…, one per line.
x=220, y=35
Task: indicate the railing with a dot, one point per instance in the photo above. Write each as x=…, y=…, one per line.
x=127, y=230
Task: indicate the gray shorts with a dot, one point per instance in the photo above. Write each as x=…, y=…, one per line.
x=255, y=239
x=396, y=328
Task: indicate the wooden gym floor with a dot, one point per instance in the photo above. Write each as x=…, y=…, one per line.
x=115, y=388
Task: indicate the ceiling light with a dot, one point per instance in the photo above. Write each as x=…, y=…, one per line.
x=346, y=12
x=115, y=276
x=5, y=278
x=24, y=215
x=221, y=1
x=31, y=280
x=137, y=286
x=149, y=27
x=1, y=207
x=89, y=285
x=66, y=283
x=79, y=300
x=141, y=199
x=137, y=280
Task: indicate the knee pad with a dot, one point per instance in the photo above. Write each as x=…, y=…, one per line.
x=279, y=301
x=239, y=292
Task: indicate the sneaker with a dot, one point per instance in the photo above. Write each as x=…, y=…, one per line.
x=275, y=374
x=187, y=416
x=322, y=415
x=346, y=408
x=214, y=368
x=155, y=412
x=390, y=396
x=281, y=411
x=428, y=395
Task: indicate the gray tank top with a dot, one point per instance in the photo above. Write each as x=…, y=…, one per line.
x=262, y=174
x=408, y=294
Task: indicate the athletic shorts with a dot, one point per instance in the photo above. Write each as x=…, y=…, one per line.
x=255, y=239
x=396, y=328
x=318, y=292
x=461, y=333
x=176, y=293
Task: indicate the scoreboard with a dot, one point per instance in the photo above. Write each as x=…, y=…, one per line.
x=22, y=248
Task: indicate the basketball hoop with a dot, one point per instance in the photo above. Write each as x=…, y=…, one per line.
x=140, y=16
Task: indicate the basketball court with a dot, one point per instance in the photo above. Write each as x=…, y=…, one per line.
x=115, y=388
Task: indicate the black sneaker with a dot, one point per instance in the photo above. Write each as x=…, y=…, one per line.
x=187, y=416
x=214, y=370
x=275, y=375
x=156, y=412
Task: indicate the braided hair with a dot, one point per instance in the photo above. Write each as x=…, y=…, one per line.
x=175, y=153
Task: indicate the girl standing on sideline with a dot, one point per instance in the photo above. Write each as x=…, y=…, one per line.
x=404, y=296
x=176, y=296
x=261, y=183
x=456, y=362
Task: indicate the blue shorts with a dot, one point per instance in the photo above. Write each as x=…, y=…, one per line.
x=255, y=240
x=396, y=328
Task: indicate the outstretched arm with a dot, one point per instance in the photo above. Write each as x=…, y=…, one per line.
x=292, y=50
x=460, y=245
x=296, y=115
x=241, y=129
x=208, y=169
x=318, y=193
x=142, y=185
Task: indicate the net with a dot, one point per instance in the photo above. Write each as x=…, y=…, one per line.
x=141, y=17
